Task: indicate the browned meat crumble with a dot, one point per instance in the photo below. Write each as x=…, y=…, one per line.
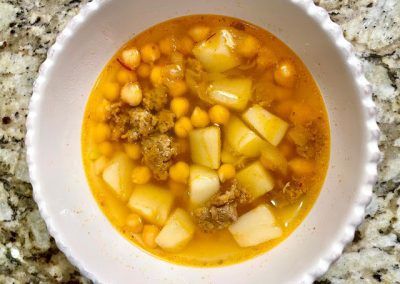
x=130, y=124
x=158, y=151
x=308, y=139
x=289, y=192
x=195, y=76
x=294, y=189
x=216, y=218
x=165, y=121
x=155, y=99
x=221, y=211
x=134, y=124
x=231, y=191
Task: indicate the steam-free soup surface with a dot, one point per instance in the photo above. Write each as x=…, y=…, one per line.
x=205, y=140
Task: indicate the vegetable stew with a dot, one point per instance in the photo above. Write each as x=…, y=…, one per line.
x=205, y=140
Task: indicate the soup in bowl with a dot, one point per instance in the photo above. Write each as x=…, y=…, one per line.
x=205, y=140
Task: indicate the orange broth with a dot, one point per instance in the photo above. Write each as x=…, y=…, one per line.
x=300, y=106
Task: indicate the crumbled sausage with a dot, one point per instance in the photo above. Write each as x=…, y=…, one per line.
x=195, y=77
x=130, y=124
x=142, y=122
x=287, y=192
x=308, y=139
x=134, y=124
x=158, y=151
x=119, y=120
x=216, y=218
x=232, y=191
x=221, y=211
x=165, y=120
x=294, y=189
x=262, y=94
x=155, y=99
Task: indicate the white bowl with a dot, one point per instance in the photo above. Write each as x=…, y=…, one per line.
x=54, y=151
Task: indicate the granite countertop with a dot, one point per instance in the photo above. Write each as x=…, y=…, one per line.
x=28, y=28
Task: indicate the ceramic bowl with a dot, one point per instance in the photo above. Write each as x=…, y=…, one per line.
x=65, y=201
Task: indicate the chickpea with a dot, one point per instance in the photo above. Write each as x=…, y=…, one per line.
x=301, y=167
x=219, y=114
x=131, y=57
x=301, y=114
x=199, y=32
x=124, y=76
x=226, y=172
x=228, y=157
x=284, y=108
x=99, y=165
x=167, y=45
x=118, y=147
x=173, y=72
x=101, y=111
x=248, y=47
x=141, y=175
x=156, y=76
x=287, y=149
x=183, y=145
x=131, y=93
x=266, y=58
x=177, y=188
x=177, y=58
x=179, y=106
x=106, y=148
x=298, y=136
x=179, y=172
x=285, y=74
x=111, y=91
x=94, y=153
x=133, y=150
x=177, y=88
x=149, y=235
x=102, y=132
x=281, y=93
x=133, y=223
x=144, y=70
x=150, y=53
x=182, y=127
x=199, y=118
x=185, y=45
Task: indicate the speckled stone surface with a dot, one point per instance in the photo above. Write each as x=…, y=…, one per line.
x=28, y=28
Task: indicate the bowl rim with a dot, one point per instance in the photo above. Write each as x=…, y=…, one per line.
x=321, y=17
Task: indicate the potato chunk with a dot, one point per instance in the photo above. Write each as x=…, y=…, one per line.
x=203, y=184
x=228, y=155
x=255, y=227
x=301, y=167
x=256, y=179
x=205, y=146
x=177, y=232
x=117, y=175
x=272, y=159
x=243, y=140
x=152, y=202
x=216, y=53
x=233, y=93
x=269, y=126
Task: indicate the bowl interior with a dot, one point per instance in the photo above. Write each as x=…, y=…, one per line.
x=61, y=188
